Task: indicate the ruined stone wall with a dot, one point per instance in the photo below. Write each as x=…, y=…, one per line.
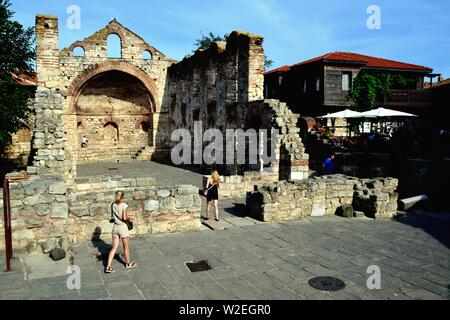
x=236, y=186
x=75, y=71
x=49, y=138
x=43, y=208
x=19, y=150
x=67, y=74
x=113, y=114
x=290, y=161
x=214, y=85
x=323, y=196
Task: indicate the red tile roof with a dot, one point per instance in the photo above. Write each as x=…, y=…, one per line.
x=368, y=61
x=25, y=79
x=280, y=69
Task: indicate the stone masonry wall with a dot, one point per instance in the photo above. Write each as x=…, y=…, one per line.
x=213, y=85
x=43, y=208
x=49, y=138
x=62, y=72
x=20, y=148
x=323, y=196
x=237, y=186
x=290, y=161
x=113, y=112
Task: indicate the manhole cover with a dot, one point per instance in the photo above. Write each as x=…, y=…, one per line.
x=327, y=283
x=198, y=266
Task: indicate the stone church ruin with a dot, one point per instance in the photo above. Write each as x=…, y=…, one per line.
x=127, y=107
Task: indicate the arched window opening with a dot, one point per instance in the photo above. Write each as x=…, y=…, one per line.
x=145, y=126
x=114, y=44
x=78, y=52
x=147, y=55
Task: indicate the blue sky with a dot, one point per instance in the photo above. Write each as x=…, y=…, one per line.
x=414, y=31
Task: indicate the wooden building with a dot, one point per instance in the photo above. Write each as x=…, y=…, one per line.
x=322, y=85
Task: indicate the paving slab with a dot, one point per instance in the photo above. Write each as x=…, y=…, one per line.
x=259, y=261
x=217, y=225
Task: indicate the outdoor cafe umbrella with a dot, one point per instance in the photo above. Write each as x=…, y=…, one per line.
x=346, y=114
x=343, y=114
x=384, y=113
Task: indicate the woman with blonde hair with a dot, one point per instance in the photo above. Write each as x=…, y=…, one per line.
x=212, y=193
x=120, y=231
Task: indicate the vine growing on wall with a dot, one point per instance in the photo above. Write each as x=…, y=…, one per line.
x=372, y=88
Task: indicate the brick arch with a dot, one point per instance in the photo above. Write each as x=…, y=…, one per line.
x=109, y=119
x=78, y=83
x=120, y=31
x=150, y=49
x=140, y=120
x=75, y=45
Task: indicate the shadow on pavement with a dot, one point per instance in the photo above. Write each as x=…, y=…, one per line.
x=435, y=223
x=103, y=248
x=237, y=209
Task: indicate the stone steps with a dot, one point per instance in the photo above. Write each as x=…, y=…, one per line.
x=227, y=220
x=110, y=154
x=144, y=153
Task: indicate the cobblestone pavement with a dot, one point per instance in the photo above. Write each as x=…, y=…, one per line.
x=266, y=261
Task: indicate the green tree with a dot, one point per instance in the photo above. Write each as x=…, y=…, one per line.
x=372, y=88
x=206, y=40
x=268, y=63
x=16, y=57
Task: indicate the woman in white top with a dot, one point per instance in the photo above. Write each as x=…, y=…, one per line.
x=120, y=232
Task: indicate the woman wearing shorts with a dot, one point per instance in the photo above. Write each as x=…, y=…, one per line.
x=120, y=232
x=213, y=193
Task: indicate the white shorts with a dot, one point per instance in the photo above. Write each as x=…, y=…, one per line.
x=121, y=231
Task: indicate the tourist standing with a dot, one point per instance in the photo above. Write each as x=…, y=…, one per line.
x=328, y=164
x=212, y=193
x=84, y=142
x=120, y=232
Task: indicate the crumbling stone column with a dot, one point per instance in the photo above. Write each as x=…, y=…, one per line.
x=47, y=51
x=291, y=160
x=48, y=137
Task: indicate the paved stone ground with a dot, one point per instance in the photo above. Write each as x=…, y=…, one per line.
x=265, y=261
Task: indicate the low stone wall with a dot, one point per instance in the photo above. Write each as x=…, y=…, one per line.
x=377, y=198
x=43, y=208
x=320, y=196
x=237, y=186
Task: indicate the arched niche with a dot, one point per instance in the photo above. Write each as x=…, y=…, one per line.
x=110, y=105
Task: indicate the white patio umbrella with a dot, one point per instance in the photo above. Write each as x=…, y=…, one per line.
x=346, y=114
x=343, y=114
x=382, y=113
x=385, y=113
